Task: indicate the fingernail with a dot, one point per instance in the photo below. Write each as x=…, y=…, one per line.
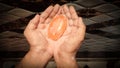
x=57, y=5
x=51, y=6
x=72, y=7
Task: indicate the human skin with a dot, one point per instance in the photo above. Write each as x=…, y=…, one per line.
x=40, y=52
x=42, y=48
x=71, y=41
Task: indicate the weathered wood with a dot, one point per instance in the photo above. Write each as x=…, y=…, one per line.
x=21, y=54
x=12, y=41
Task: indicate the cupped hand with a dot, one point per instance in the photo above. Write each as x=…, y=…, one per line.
x=35, y=32
x=72, y=39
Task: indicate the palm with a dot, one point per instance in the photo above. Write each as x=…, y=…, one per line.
x=37, y=36
x=69, y=41
x=74, y=34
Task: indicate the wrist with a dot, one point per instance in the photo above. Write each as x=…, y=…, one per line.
x=65, y=61
x=41, y=51
x=35, y=58
x=64, y=56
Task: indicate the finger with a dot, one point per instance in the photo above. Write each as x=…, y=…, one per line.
x=73, y=23
x=70, y=21
x=81, y=29
x=73, y=13
x=66, y=11
x=33, y=24
x=80, y=22
x=74, y=16
x=48, y=20
x=45, y=14
x=59, y=11
x=55, y=10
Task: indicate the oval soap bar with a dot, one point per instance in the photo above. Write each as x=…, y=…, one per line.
x=57, y=27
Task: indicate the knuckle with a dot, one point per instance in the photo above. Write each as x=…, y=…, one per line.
x=24, y=33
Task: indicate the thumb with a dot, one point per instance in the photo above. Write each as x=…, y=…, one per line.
x=34, y=22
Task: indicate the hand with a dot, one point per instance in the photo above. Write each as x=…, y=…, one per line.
x=40, y=52
x=74, y=35
x=67, y=46
x=35, y=32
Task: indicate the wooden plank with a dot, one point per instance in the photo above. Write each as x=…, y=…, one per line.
x=6, y=18
x=4, y=7
x=21, y=54
x=20, y=12
x=12, y=41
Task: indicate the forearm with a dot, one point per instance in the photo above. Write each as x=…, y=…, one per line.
x=35, y=59
x=66, y=61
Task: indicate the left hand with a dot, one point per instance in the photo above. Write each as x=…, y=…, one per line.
x=73, y=37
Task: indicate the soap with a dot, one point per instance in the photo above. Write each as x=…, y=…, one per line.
x=57, y=27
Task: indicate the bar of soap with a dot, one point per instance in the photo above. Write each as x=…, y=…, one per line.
x=57, y=27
